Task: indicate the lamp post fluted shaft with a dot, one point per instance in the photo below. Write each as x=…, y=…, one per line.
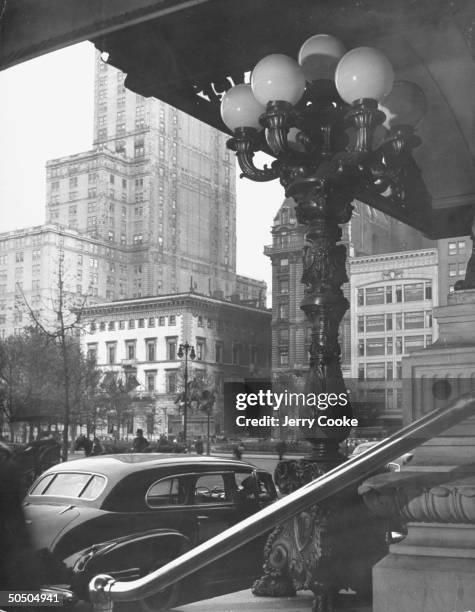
x=183, y=351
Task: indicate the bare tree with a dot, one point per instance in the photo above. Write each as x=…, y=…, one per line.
x=63, y=327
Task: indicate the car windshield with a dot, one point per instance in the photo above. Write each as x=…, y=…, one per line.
x=70, y=484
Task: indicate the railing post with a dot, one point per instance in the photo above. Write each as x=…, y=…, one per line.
x=99, y=592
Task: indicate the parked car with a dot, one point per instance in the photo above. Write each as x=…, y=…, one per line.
x=393, y=466
x=128, y=514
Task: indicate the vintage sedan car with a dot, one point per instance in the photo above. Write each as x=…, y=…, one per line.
x=128, y=514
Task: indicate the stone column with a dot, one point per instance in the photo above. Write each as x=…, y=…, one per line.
x=433, y=567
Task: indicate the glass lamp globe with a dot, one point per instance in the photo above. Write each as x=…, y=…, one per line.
x=319, y=56
x=277, y=77
x=239, y=108
x=405, y=105
x=364, y=72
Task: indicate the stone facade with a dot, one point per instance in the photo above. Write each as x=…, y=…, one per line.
x=141, y=337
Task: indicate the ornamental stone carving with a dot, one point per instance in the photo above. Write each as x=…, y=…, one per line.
x=422, y=497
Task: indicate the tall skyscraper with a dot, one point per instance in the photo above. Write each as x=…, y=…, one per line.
x=149, y=210
x=159, y=187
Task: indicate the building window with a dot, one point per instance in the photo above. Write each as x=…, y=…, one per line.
x=413, y=320
x=284, y=286
x=413, y=292
x=218, y=351
x=428, y=318
x=111, y=352
x=151, y=377
x=376, y=371
x=171, y=348
x=151, y=321
x=413, y=343
x=141, y=322
x=236, y=354
x=375, y=346
x=389, y=371
x=374, y=295
x=200, y=349
x=130, y=349
x=361, y=346
x=151, y=350
x=374, y=323
x=284, y=263
x=283, y=358
x=171, y=381
x=132, y=324
x=283, y=311
x=92, y=351
x=453, y=269
x=389, y=294
x=121, y=324
x=200, y=321
x=111, y=326
x=172, y=320
x=361, y=324
x=161, y=321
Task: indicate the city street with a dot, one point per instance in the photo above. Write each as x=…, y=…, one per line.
x=261, y=460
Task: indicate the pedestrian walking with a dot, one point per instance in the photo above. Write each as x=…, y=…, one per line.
x=238, y=450
x=140, y=443
x=199, y=445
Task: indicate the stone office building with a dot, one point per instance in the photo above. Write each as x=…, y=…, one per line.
x=140, y=338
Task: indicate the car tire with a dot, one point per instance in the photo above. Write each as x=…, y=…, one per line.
x=166, y=599
x=162, y=601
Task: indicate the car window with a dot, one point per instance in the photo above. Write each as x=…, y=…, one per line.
x=41, y=485
x=245, y=485
x=265, y=487
x=94, y=487
x=84, y=486
x=165, y=492
x=67, y=485
x=209, y=489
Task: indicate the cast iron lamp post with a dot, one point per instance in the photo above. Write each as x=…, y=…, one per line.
x=185, y=350
x=322, y=120
x=339, y=128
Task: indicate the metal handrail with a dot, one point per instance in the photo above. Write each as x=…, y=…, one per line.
x=104, y=590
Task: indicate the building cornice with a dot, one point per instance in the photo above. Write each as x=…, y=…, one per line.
x=180, y=300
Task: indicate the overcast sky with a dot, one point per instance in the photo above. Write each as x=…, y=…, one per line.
x=46, y=111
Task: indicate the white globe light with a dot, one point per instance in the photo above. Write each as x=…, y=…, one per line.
x=239, y=108
x=364, y=72
x=277, y=78
x=319, y=56
x=405, y=105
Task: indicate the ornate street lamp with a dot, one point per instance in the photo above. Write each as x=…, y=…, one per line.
x=338, y=126
x=185, y=350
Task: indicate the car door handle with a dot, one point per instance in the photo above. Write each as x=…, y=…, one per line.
x=203, y=518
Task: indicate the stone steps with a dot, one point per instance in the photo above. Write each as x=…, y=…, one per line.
x=246, y=601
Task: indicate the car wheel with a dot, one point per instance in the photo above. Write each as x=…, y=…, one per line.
x=162, y=601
